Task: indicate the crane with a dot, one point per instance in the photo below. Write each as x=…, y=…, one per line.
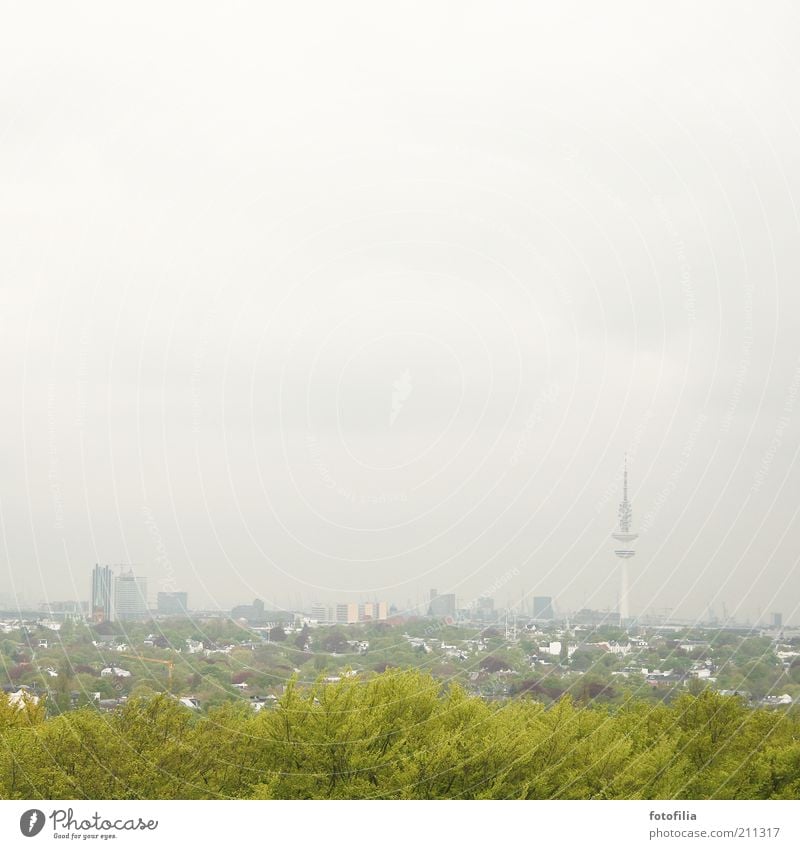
x=168, y=663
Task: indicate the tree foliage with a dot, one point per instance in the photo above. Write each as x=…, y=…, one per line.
x=401, y=735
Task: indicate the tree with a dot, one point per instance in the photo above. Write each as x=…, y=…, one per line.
x=492, y=663
x=303, y=638
x=335, y=642
x=402, y=734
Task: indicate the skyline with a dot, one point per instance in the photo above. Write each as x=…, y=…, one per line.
x=715, y=610
x=104, y=583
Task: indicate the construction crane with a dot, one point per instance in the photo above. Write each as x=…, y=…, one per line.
x=168, y=663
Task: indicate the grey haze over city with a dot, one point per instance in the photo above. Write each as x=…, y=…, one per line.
x=349, y=301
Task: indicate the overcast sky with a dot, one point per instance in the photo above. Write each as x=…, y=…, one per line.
x=318, y=301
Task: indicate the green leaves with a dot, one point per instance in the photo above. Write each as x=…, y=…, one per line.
x=399, y=735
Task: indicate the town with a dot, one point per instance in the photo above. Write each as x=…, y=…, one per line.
x=204, y=659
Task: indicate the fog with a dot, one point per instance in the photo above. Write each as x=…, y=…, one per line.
x=347, y=301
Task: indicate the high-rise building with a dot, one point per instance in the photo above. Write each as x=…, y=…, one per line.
x=543, y=607
x=484, y=609
x=321, y=612
x=173, y=603
x=777, y=620
x=347, y=613
x=374, y=611
x=626, y=538
x=130, y=597
x=102, y=607
x=443, y=604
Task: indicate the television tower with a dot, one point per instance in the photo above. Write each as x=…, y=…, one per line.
x=624, y=536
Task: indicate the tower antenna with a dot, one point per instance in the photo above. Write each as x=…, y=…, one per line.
x=624, y=536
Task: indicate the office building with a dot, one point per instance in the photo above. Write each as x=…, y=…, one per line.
x=253, y=613
x=347, y=613
x=373, y=611
x=543, y=607
x=130, y=598
x=321, y=612
x=102, y=606
x=442, y=605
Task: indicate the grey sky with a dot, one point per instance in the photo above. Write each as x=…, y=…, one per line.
x=564, y=231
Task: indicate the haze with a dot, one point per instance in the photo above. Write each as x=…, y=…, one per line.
x=342, y=301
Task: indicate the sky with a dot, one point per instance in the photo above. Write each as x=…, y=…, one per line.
x=319, y=302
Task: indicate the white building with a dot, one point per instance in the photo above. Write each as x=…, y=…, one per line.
x=21, y=698
x=114, y=672
x=130, y=597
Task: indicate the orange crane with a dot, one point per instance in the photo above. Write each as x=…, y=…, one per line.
x=168, y=663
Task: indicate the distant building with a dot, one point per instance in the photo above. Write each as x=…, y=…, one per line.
x=374, y=611
x=543, y=607
x=253, y=613
x=442, y=605
x=114, y=672
x=625, y=538
x=596, y=617
x=130, y=598
x=484, y=609
x=347, y=613
x=21, y=698
x=65, y=609
x=777, y=620
x=173, y=603
x=102, y=607
x=321, y=612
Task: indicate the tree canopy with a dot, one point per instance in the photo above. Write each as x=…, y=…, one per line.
x=401, y=735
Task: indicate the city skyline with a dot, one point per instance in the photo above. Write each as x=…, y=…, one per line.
x=103, y=605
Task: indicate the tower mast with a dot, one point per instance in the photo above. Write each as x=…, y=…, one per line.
x=626, y=538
